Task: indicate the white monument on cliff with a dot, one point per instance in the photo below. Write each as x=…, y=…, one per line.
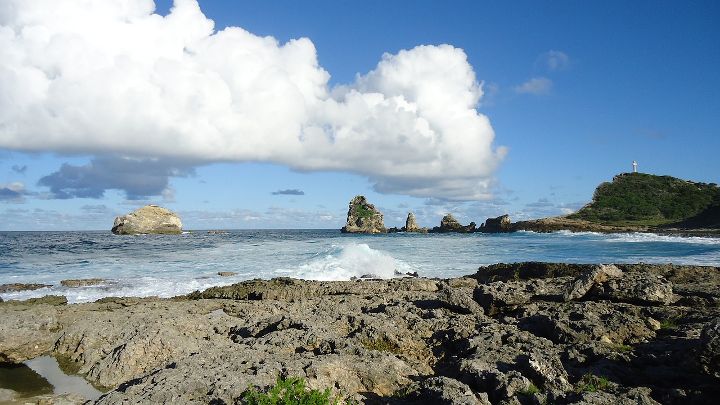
x=634, y=166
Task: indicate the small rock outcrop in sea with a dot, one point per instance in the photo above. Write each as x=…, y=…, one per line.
x=226, y=273
x=15, y=287
x=412, y=226
x=448, y=223
x=363, y=217
x=83, y=282
x=150, y=219
x=496, y=225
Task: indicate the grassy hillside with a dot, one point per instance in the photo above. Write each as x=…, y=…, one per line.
x=645, y=199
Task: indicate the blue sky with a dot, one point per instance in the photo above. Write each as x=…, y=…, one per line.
x=574, y=90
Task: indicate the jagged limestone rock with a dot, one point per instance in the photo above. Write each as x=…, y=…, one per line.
x=83, y=282
x=497, y=225
x=363, y=217
x=150, y=219
x=412, y=226
x=448, y=223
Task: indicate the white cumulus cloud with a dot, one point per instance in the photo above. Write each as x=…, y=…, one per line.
x=113, y=77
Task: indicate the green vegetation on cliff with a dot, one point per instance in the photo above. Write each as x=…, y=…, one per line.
x=649, y=200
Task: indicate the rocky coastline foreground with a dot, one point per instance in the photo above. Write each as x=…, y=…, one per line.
x=525, y=333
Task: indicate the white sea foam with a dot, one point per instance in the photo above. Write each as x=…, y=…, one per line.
x=139, y=287
x=652, y=237
x=351, y=260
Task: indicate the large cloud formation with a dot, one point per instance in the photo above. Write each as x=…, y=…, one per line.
x=113, y=77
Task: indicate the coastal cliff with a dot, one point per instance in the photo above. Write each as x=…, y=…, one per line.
x=523, y=333
x=638, y=202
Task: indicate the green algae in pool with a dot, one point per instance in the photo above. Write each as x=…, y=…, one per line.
x=42, y=376
x=23, y=380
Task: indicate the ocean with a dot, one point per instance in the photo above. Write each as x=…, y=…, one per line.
x=170, y=265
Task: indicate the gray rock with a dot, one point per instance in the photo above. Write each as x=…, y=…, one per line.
x=582, y=285
x=15, y=287
x=460, y=300
x=84, y=282
x=445, y=390
x=710, y=348
x=448, y=223
x=226, y=273
x=149, y=219
x=649, y=289
x=363, y=217
x=372, y=339
x=412, y=226
x=500, y=296
x=497, y=225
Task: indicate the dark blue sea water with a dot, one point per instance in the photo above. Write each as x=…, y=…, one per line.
x=165, y=266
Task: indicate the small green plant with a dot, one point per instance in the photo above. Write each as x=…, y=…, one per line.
x=531, y=390
x=621, y=348
x=363, y=212
x=592, y=383
x=670, y=323
x=288, y=391
x=381, y=344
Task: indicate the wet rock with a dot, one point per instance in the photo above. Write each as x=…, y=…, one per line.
x=150, y=219
x=497, y=225
x=85, y=282
x=363, y=217
x=529, y=271
x=7, y=395
x=710, y=348
x=27, y=330
x=15, y=287
x=226, y=273
x=589, y=279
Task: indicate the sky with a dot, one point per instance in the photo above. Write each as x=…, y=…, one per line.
x=274, y=114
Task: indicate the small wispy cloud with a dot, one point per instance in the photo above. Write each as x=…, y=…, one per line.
x=535, y=86
x=19, y=169
x=293, y=191
x=554, y=60
x=13, y=192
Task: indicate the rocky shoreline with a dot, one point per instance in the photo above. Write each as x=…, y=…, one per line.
x=525, y=333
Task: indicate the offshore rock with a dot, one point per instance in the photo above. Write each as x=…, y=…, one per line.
x=497, y=225
x=363, y=217
x=15, y=287
x=448, y=223
x=412, y=226
x=150, y=219
x=83, y=282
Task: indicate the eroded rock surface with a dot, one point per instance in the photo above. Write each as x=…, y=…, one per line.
x=448, y=223
x=411, y=224
x=363, y=217
x=149, y=219
x=82, y=282
x=527, y=333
